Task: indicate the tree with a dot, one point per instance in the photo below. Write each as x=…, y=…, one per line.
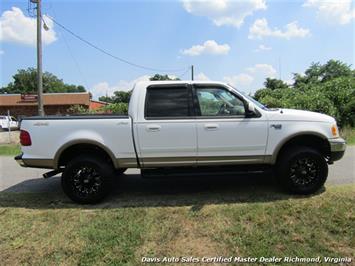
x=328, y=89
x=318, y=73
x=116, y=108
x=162, y=77
x=106, y=99
x=25, y=81
x=274, y=84
x=118, y=97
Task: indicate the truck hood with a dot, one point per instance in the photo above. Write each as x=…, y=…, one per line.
x=299, y=115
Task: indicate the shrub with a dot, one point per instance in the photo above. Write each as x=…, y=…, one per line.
x=116, y=108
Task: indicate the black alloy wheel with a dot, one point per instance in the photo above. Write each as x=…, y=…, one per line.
x=87, y=179
x=302, y=170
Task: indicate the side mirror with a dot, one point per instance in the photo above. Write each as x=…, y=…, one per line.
x=251, y=108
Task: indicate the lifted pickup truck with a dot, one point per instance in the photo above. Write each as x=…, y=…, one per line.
x=182, y=125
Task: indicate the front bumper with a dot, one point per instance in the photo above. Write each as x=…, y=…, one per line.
x=337, y=149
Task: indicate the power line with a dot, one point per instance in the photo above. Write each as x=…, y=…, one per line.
x=183, y=74
x=111, y=55
x=76, y=63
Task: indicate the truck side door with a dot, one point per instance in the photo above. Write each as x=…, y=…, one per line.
x=226, y=135
x=167, y=134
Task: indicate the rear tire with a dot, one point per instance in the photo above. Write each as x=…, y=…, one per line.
x=302, y=170
x=87, y=179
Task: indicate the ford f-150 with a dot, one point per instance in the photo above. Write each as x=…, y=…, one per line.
x=177, y=126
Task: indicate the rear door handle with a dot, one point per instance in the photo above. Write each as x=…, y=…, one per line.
x=153, y=128
x=211, y=126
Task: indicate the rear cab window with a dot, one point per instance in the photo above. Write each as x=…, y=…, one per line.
x=168, y=102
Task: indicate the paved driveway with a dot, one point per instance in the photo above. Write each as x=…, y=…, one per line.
x=14, y=178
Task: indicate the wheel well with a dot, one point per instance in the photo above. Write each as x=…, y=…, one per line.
x=77, y=149
x=313, y=141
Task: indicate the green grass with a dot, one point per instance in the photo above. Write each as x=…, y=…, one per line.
x=10, y=149
x=47, y=229
x=349, y=135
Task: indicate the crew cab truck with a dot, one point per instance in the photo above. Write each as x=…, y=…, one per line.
x=175, y=125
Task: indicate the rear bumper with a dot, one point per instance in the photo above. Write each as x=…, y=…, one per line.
x=19, y=160
x=34, y=163
x=337, y=149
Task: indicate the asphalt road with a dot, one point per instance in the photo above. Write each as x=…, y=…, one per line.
x=14, y=178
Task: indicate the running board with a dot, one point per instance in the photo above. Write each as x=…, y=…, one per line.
x=203, y=170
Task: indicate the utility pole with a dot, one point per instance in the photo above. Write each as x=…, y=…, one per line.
x=192, y=72
x=39, y=59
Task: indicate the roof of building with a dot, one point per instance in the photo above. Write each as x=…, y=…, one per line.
x=94, y=105
x=81, y=98
x=96, y=101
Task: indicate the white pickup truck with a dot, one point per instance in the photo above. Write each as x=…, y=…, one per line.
x=177, y=126
x=8, y=122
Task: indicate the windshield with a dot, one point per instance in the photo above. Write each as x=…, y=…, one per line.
x=251, y=99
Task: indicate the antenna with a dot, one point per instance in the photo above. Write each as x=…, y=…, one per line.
x=280, y=73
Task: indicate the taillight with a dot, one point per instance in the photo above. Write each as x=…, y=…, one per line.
x=25, y=138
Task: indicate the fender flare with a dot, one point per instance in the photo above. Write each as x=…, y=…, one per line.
x=83, y=141
x=281, y=144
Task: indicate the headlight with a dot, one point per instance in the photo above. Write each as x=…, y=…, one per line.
x=335, y=131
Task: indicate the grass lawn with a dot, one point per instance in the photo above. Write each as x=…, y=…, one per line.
x=349, y=135
x=48, y=229
x=10, y=149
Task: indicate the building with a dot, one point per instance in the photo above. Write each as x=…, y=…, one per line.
x=53, y=103
x=95, y=105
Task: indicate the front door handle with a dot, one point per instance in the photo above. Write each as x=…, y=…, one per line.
x=211, y=126
x=276, y=126
x=153, y=128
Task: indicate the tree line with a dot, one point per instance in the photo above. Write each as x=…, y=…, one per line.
x=25, y=82
x=326, y=88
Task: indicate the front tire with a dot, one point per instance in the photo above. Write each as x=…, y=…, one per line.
x=302, y=170
x=87, y=179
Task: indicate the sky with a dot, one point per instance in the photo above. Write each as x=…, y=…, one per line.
x=238, y=42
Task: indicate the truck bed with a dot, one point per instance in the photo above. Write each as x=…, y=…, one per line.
x=68, y=117
x=51, y=134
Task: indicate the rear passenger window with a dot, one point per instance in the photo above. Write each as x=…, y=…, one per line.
x=165, y=102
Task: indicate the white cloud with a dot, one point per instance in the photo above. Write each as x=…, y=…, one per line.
x=242, y=79
x=224, y=12
x=264, y=69
x=289, y=81
x=104, y=88
x=333, y=11
x=208, y=47
x=262, y=47
x=16, y=27
x=201, y=76
x=252, y=78
x=261, y=29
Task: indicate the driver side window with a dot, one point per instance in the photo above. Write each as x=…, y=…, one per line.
x=219, y=102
